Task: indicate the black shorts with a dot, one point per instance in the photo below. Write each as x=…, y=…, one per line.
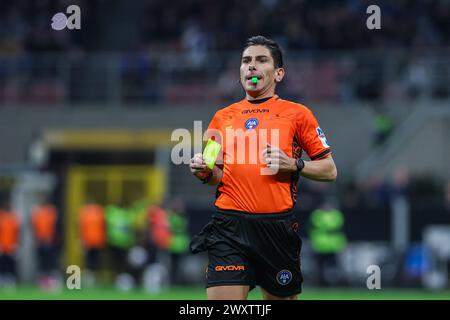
x=252, y=249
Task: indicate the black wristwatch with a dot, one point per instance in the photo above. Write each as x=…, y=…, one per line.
x=300, y=164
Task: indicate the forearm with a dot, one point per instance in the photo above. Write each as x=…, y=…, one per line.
x=320, y=170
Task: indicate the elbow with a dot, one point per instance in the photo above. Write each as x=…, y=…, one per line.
x=332, y=176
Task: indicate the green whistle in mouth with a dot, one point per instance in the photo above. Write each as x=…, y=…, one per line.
x=255, y=80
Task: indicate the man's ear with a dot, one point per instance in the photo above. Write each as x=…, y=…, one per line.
x=279, y=74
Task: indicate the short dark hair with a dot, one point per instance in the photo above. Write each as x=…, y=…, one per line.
x=274, y=48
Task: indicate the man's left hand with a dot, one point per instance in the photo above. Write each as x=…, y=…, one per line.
x=275, y=158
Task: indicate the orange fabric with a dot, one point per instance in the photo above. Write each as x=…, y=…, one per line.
x=92, y=226
x=243, y=187
x=44, y=222
x=159, y=227
x=9, y=232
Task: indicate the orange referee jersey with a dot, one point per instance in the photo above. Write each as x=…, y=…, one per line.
x=243, y=186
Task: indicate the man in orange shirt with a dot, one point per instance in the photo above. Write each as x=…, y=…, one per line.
x=253, y=236
x=43, y=220
x=9, y=243
x=93, y=233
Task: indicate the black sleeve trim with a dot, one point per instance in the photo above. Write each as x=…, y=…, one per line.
x=320, y=155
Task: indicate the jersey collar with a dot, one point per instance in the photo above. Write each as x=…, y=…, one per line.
x=264, y=100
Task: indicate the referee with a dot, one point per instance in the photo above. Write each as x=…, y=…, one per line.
x=253, y=239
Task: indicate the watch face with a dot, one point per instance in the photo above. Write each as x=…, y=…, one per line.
x=300, y=164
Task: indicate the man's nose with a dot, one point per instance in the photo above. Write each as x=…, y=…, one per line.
x=251, y=67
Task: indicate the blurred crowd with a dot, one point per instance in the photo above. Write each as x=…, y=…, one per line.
x=377, y=192
x=145, y=246
x=398, y=222
x=166, y=51
x=44, y=225
x=324, y=24
x=206, y=25
x=120, y=244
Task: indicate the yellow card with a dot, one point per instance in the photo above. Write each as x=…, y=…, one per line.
x=211, y=153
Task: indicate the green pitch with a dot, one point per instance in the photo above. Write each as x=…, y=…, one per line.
x=31, y=293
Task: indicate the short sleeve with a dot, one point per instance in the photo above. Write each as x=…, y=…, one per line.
x=215, y=123
x=311, y=136
x=214, y=130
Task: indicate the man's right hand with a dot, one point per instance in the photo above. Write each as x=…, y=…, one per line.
x=198, y=166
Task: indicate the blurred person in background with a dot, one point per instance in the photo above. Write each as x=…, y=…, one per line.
x=253, y=236
x=382, y=127
x=9, y=243
x=43, y=220
x=159, y=228
x=400, y=183
x=138, y=254
x=93, y=237
x=195, y=42
x=120, y=238
x=157, y=272
x=169, y=235
x=179, y=238
x=327, y=240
